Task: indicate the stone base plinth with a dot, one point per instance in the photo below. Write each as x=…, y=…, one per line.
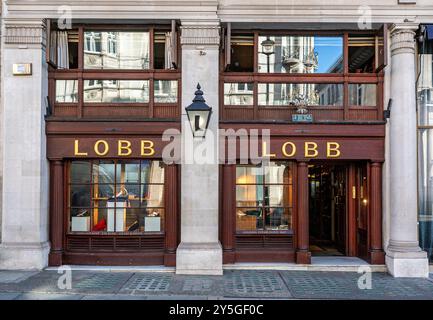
x=199, y=258
x=407, y=264
x=24, y=256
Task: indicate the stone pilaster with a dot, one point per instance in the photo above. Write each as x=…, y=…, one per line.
x=404, y=258
x=25, y=191
x=200, y=251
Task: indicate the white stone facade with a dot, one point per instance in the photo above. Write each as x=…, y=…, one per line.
x=25, y=191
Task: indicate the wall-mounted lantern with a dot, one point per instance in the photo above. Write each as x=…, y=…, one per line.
x=198, y=113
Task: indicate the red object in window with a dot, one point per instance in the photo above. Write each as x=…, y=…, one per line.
x=100, y=226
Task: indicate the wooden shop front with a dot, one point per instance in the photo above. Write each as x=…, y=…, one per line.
x=319, y=194
x=112, y=201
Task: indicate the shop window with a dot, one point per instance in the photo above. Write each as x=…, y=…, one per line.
x=361, y=53
x=116, y=196
x=238, y=94
x=116, y=91
x=294, y=94
x=165, y=91
x=242, y=53
x=66, y=91
x=116, y=50
x=264, y=197
x=362, y=95
x=300, y=54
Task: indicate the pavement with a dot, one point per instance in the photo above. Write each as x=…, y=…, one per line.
x=234, y=284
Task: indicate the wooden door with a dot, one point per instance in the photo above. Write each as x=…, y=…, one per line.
x=338, y=181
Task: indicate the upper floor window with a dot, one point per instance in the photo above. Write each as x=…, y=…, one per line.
x=116, y=50
x=300, y=54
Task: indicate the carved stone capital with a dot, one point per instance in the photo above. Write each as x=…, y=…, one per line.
x=25, y=33
x=200, y=34
x=403, y=39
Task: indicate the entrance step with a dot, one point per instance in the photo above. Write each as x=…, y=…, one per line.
x=116, y=268
x=348, y=264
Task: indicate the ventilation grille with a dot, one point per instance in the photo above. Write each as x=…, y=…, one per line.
x=264, y=242
x=114, y=243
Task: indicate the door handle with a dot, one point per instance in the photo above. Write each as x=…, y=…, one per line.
x=353, y=192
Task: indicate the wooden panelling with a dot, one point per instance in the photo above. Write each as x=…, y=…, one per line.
x=105, y=111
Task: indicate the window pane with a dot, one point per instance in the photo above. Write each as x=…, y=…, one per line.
x=278, y=218
x=165, y=91
x=425, y=84
x=67, y=91
x=80, y=172
x=249, y=219
x=300, y=54
x=278, y=172
x=249, y=195
x=153, y=195
x=104, y=172
x=425, y=188
x=116, y=91
x=238, y=94
x=152, y=172
x=80, y=196
x=116, y=50
x=154, y=220
x=249, y=175
x=362, y=94
x=129, y=172
x=284, y=94
x=100, y=219
x=80, y=220
x=361, y=53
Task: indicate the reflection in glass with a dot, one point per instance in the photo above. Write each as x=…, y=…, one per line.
x=80, y=196
x=80, y=172
x=116, y=50
x=238, y=94
x=425, y=145
x=278, y=218
x=362, y=95
x=66, y=91
x=116, y=91
x=302, y=54
x=165, y=91
x=425, y=84
x=310, y=94
x=152, y=172
x=425, y=194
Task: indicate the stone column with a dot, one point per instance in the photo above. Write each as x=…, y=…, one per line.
x=25, y=167
x=200, y=251
x=404, y=258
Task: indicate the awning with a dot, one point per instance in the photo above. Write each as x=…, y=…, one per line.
x=429, y=30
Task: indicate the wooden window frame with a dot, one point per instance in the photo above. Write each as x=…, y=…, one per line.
x=345, y=113
x=91, y=183
x=291, y=165
x=150, y=110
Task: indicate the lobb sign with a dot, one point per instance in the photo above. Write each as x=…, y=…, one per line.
x=137, y=148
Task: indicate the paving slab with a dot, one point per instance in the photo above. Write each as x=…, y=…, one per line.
x=7, y=276
x=9, y=295
x=48, y=296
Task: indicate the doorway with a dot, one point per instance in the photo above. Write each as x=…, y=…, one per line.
x=328, y=209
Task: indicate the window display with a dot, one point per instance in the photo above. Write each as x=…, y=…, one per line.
x=264, y=197
x=116, y=196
